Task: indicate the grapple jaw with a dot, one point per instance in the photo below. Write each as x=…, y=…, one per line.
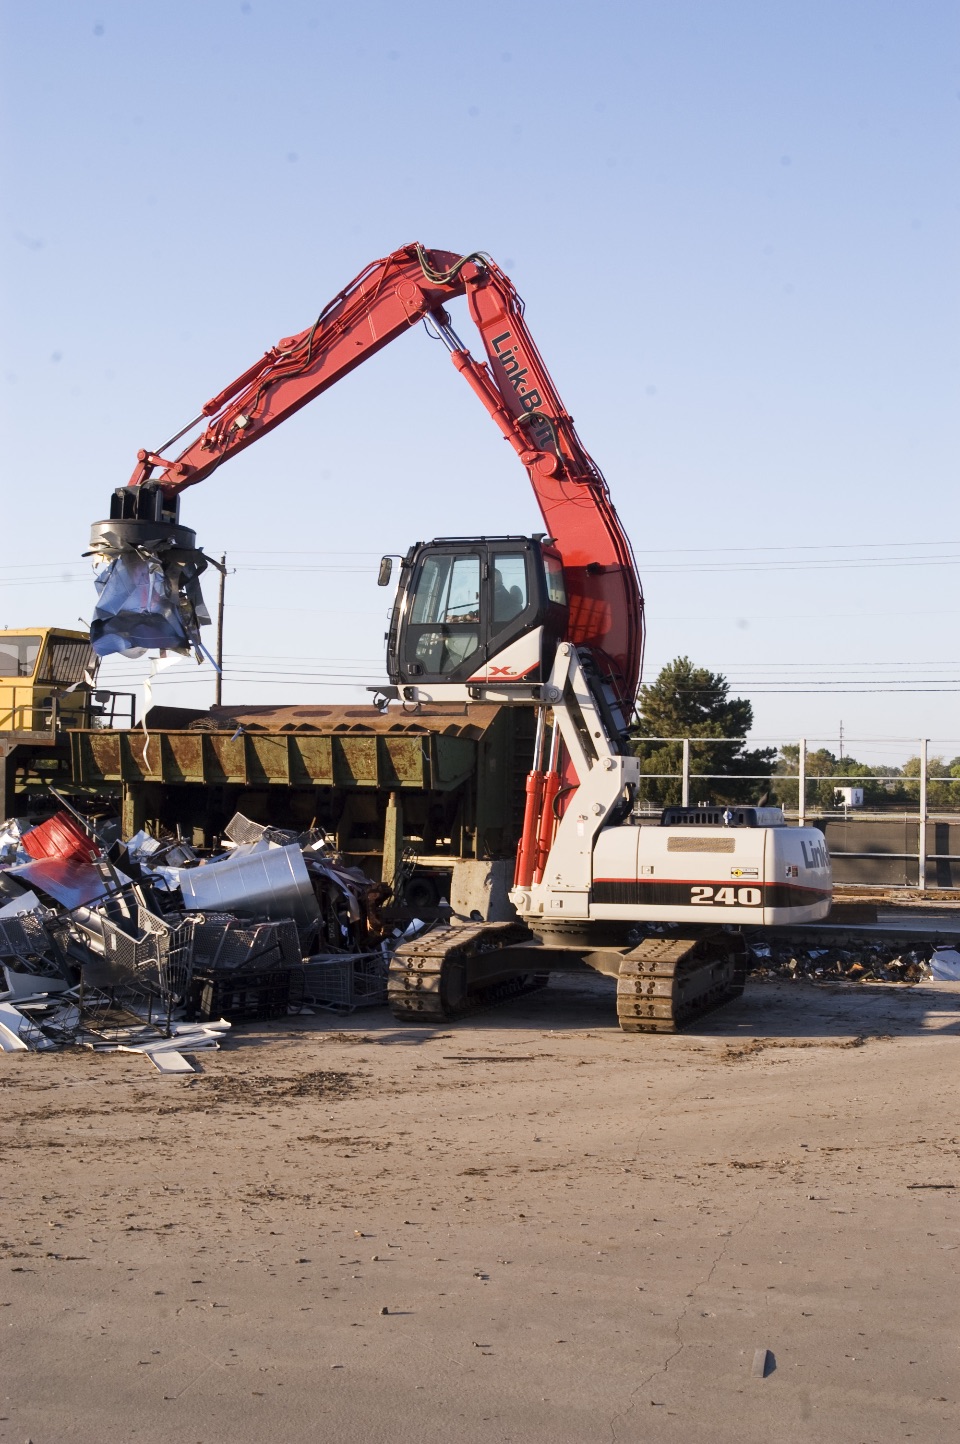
x=147, y=570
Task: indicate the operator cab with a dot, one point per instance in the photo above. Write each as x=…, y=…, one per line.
x=474, y=614
x=45, y=673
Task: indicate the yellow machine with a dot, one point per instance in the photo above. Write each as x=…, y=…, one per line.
x=47, y=681
x=47, y=676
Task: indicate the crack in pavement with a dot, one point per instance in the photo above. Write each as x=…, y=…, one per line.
x=619, y=1417
x=211, y=1364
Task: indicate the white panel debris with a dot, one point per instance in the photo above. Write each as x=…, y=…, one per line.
x=11, y=1042
x=26, y=902
x=171, y=1062
x=945, y=965
x=21, y=986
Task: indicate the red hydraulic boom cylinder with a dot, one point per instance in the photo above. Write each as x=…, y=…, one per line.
x=528, y=846
x=548, y=820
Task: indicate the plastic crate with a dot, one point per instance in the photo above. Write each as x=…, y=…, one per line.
x=240, y=997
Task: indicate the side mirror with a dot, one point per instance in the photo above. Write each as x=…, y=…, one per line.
x=385, y=572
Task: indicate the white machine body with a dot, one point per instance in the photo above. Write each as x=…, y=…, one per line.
x=740, y=865
x=761, y=874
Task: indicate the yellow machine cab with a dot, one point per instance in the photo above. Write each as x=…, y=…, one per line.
x=47, y=677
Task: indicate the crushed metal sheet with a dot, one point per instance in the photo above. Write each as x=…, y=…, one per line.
x=241, y=830
x=867, y=960
x=70, y=881
x=147, y=599
x=261, y=880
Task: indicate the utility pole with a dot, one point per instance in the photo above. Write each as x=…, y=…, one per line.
x=218, y=685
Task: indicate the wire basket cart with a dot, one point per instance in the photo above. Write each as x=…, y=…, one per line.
x=26, y=941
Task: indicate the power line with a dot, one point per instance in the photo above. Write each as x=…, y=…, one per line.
x=657, y=569
x=759, y=690
x=650, y=551
x=797, y=547
x=782, y=566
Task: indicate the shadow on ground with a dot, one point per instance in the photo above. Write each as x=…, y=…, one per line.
x=588, y=1004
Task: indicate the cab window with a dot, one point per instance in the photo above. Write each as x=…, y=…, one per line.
x=510, y=592
x=556, y=588
x=441, y=652
x=18, y=656
x=448, y=590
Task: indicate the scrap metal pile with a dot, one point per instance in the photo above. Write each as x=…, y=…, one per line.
x=144, y=945
x=862, y=960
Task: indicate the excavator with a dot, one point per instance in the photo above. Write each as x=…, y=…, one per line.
x=553, y=622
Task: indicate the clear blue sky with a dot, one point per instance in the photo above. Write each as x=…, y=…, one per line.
x=735, y=227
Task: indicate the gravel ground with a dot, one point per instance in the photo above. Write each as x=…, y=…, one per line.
x=528, y=1227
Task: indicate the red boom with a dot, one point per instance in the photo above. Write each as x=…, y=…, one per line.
x=606, y=604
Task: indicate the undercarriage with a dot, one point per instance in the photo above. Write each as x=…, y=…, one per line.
x=664, y=982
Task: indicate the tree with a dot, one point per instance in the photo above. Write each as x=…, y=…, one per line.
x=821, y=766
x=689, y=701
x=944, y=795
x=883, y=786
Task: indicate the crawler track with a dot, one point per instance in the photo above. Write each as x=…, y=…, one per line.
x=669, y=982
x=451, y=972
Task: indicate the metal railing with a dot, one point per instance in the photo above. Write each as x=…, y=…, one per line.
x=100, y=709
x=28, y=717
x=804, y=812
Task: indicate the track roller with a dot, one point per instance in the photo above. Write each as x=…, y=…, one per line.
x=453, y=971
x=669, y=982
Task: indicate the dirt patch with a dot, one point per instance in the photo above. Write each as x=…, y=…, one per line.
x=736, y=1052
x=248, y=1089
x=349, y=1038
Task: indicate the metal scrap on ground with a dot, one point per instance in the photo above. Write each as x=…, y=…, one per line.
x=867, y=960
x=146, y=947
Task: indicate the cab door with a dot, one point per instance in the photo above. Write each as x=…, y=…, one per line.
x=513, y=632
x=443, y=633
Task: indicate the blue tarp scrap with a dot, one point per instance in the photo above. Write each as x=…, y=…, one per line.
x=147, y=601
